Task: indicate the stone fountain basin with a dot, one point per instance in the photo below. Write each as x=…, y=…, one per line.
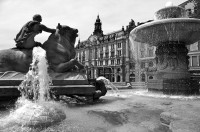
x=178, y=30
x=63, y=84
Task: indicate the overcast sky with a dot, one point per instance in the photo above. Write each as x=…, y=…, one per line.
x=80, y=14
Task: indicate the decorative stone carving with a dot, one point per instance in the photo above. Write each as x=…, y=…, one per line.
x=172, y=56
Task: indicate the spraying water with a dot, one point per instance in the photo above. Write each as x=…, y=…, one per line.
x=38, y=111
x=109, y=85
x=37, y=80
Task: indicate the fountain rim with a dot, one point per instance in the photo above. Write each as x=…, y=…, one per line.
x=155, y=23
x=170, y=7
x=163, y=21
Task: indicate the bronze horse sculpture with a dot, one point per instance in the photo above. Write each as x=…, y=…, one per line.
x=60, y=55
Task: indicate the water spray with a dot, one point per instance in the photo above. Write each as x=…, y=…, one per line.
x=35, y=86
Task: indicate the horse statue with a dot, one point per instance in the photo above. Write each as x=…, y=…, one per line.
x=60, y=54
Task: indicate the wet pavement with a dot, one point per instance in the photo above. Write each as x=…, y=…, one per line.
x=127, y=111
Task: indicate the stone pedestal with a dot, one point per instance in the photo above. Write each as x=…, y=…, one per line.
x=172, y=76
x=174, y=86
x=63, y=84
x=172, y=60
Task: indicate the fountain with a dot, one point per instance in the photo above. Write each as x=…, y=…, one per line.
x=25, y=74
x=170, y=32
x=37, y=80
x=68, y=75
x=40, y=112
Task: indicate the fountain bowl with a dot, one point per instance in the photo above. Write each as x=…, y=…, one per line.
x=179, y=30
x=170, y=12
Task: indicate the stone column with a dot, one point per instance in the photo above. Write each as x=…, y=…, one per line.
x=172, y=61
x=172, y=76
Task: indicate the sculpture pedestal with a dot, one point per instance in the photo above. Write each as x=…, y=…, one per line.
x=174, y=86
x=63, y=84
x=172, y=76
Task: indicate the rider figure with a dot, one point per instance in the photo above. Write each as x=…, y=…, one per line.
x=25, y=38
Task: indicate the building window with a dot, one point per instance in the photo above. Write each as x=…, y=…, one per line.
x=90, y=54
x=150, y=77
x=194, y=61
x=132, y=77
x=95, y=56
x=150, y=64
x=143, y=77
x=83, y=56
x=101, y=48
x=112, y=54
x=119, y=45
x=189, y=12
x=107, y=55
x=107, y=49
x=118, y=78
x=100, y=72
x=106, y=62
x=142, y=66
x=113, y=79
x=101, y=55
x=119, y=53
x=112, y=46
x=118, y=61
x=101, y=63
x=132, y=65
x=112, y=62
x=151, y=52
x=142, y=53
x=118, y=70
x=198, y=45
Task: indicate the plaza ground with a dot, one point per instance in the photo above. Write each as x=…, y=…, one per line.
x=127, y=111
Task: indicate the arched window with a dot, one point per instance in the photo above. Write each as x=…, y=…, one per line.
x=132, y=77
x=150, y=77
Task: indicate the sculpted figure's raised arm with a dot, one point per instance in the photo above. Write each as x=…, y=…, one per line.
x=59, y=49
x=25, y=38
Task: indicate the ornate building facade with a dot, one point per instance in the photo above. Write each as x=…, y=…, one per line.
x=107, y=54
x=146, y=64
x=193, y=11
x=117, y=58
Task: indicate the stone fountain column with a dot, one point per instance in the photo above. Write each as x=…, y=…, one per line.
x=170, y=32
x=172, y=61
x=172, y=76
